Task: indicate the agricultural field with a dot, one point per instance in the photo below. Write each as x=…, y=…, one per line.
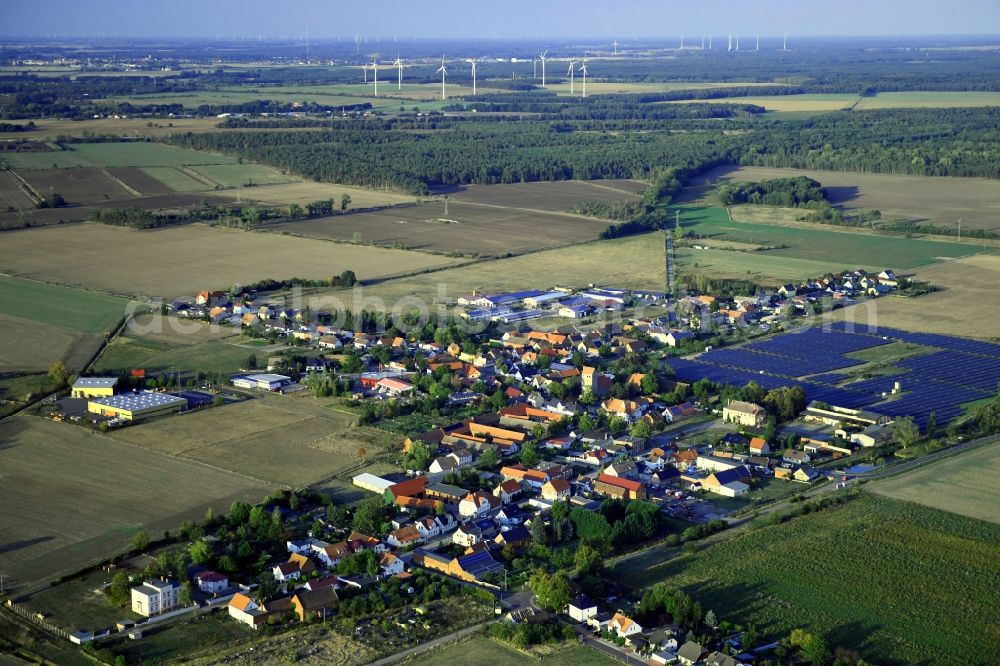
x=73, y=496
x=140, y=181
x=469, y=229
x=127, y=352
x=51, y=128
x=241, y=175
x=41, y=323
x=302, y=192
x=963, y=483
x=816, y=102
x=178, y=261
x=957, y=309
x=11, y=194
x=85, y=185
x=872, y=575
x=554, y=197
x=942, y=201
x=617, y=87
x=284, y=441
x=816, y=243
x=926, y=99
x=103, y=155
x=483, y=651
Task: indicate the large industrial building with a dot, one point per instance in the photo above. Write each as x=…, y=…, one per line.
x=266, y=382
x=94, y=387
x=137, y=406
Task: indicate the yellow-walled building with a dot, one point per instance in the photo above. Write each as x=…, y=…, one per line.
x=94, y=387
x=136, y=406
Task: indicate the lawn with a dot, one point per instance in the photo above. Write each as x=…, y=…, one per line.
x=841, y=248
x=138, y=153
x=964, y=483
x=482, y=651
x=873, y=575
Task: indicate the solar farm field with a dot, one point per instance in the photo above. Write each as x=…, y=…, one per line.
x=954, y=372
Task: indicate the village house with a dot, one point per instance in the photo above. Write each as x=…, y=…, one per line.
x=582, y=608
x=759, y=447
x=556, y=489
x=623, y=625
x=475, y=505
x=612, y=486
x=314, y=603
x=211, y=582
x=744, y=413
x=507, y=491
x=154, y=597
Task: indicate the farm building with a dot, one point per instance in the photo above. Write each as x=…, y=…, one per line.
x=137, y=406
x=265, y=382
x=94, y=387
x=612, y=486
x=371, y=483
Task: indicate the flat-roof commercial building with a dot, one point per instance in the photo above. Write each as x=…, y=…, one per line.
x=266, y=382
x=137, y=406
x=94, y=387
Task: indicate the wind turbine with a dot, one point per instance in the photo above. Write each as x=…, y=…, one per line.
x=442, y=70
x=758, y=44
x=541, y=57
x=737, y=42
x=571, y=73
x=702, y=43
x=615, y=44
x=584, y=70
x=710, y=42
x=399, y=64
x=682, y=42
x=730, y=47
x=375, y=70
x=473, y=63
x=784, y=43
x=364, y=68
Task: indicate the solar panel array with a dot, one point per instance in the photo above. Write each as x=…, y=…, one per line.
x=940, y=382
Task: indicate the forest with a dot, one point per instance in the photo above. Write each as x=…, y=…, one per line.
x=787, y=192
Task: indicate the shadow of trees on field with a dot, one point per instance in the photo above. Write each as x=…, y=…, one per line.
x=840, y=195
x=25, y=543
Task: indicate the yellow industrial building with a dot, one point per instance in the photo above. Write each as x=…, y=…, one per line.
x=137, y=406
x=94, y=387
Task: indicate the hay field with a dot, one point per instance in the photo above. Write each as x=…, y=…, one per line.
x=72, y=496
x=964, y=483
x=960, y=308
x=183, y=260
x=78, y=185
x=278, y=440
x=127, y=352
x=469, y=229
x=943, y=201
x=303, y=192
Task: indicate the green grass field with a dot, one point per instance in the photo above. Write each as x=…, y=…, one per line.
x=176, y=179
x=843, y=249
x=876, y=575
x=964, y=484
x=140, y=153
x=482, y=651
x=929, y=100
x=239, y=175
x=72, y=309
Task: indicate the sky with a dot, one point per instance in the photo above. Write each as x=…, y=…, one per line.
x=500, y=19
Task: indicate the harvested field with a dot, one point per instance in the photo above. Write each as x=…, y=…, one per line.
x=963, y=483
x=77, y=186
x=470, y=229
x=175, y=330
x=11, y=194
x=303, y=192
x=241, y=175
x=27, y=346
x=958, y=309
x=139, y=153
x=140, y=181
x=556, y=196
x=196, y=261
x=50, y=128
x=80, y=213
x=271, y=440
x=926, y=99
x=943, y=201
x=175, y=179
x=67, y=511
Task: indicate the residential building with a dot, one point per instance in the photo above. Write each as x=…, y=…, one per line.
x=507, y=491
x=582, y=608
x=744, y=413
x=690, y=653
x=314, y=603
x=475, y=505
x=154, y=597
x=612, y=486
x=211, y=582
x=623, y=625
x=556, y=489
x=759, y=446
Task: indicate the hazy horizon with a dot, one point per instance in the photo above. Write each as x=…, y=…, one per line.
x=518, y=19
